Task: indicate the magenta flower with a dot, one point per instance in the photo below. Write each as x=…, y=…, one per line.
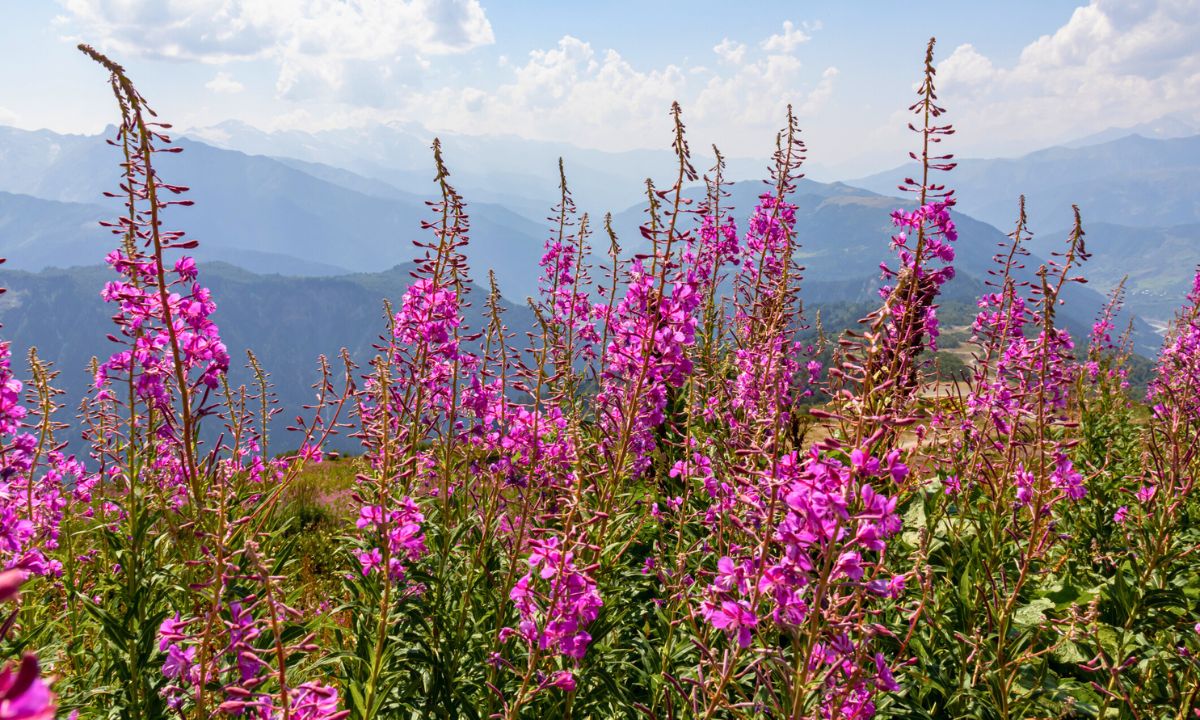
x=314, y=701
x=23, y=693
x=734, y=617
x=1066, y=478
x=833, y=517
x=32, y=500
x=369, y=559
x=563, y=680
x=185, y=268
x=170, y=631
x=556, y=604
x=179, y=661
x=401, y=528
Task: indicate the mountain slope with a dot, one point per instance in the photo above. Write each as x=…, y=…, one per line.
x=35, y=233
x=250, y=210
x=519, y=173
x=1167, y=126
x=287, y=321
x=1132, y=180
x=1159, y=262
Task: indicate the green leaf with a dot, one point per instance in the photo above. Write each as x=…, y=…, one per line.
x=1034, y=613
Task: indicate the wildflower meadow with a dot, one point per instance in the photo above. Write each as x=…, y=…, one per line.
x=680, y=496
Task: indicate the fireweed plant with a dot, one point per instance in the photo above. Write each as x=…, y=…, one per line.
x=671, y=499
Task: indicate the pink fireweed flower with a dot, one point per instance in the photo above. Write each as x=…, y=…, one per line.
x=171, y=631
x=1024, y=480
x=563, y=680
x=23, y=693
x=239, y=665
x=1066, y=478
x=142, y=318
x=831, y=514
x=32, y=500
x=12, y=412
x=734, y=617
x=1175, y=390
x=534, y=447
x=178, y=664
x=400, y=528
x=556, y=601
x=563, y=292
x=650, y=333
x=314, y=701
x=429, y=314
x=369, y=559
x=310, y=453
x=770, y=374
x=939, y=231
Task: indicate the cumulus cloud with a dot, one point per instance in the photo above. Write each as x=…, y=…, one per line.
x=1114, y=63
x=758, y=94
x=730, y=51
x=328, y=42
x=598, y=98
x=7, y=117
x=568, y=91
x=792, y=37
x=223, y=82
x=342, y=64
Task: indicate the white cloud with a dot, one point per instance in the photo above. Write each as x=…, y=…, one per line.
x=569, y=91
x=730, y=51
x=317, y=41
x=1114, y=63
x=815, y=101
x=223, y=82
x=335, y=74
x=7, y=117
x=758, y=94
x=792, y=37
x=574, y=92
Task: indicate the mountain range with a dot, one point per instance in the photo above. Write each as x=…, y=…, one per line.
x=517, y=173
x=255, y=212
x=843, y=231
x=1132, y=180
x=303, y=235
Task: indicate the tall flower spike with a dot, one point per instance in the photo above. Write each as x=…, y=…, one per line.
x=882, y=372
x=649, y=331
x=174, y=356
x=564, y=309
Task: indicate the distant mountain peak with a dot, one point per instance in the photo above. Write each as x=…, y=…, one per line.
x=1166, y=127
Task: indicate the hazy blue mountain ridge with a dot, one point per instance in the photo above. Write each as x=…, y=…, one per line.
x=250, y=210
x=293, y=217
x=1131, y=180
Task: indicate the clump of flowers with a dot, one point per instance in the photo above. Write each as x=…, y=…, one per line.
x=400, y=529
x=824, y=555
x=556, y=601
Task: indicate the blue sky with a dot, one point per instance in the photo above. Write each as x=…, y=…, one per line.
x=1016, y=75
